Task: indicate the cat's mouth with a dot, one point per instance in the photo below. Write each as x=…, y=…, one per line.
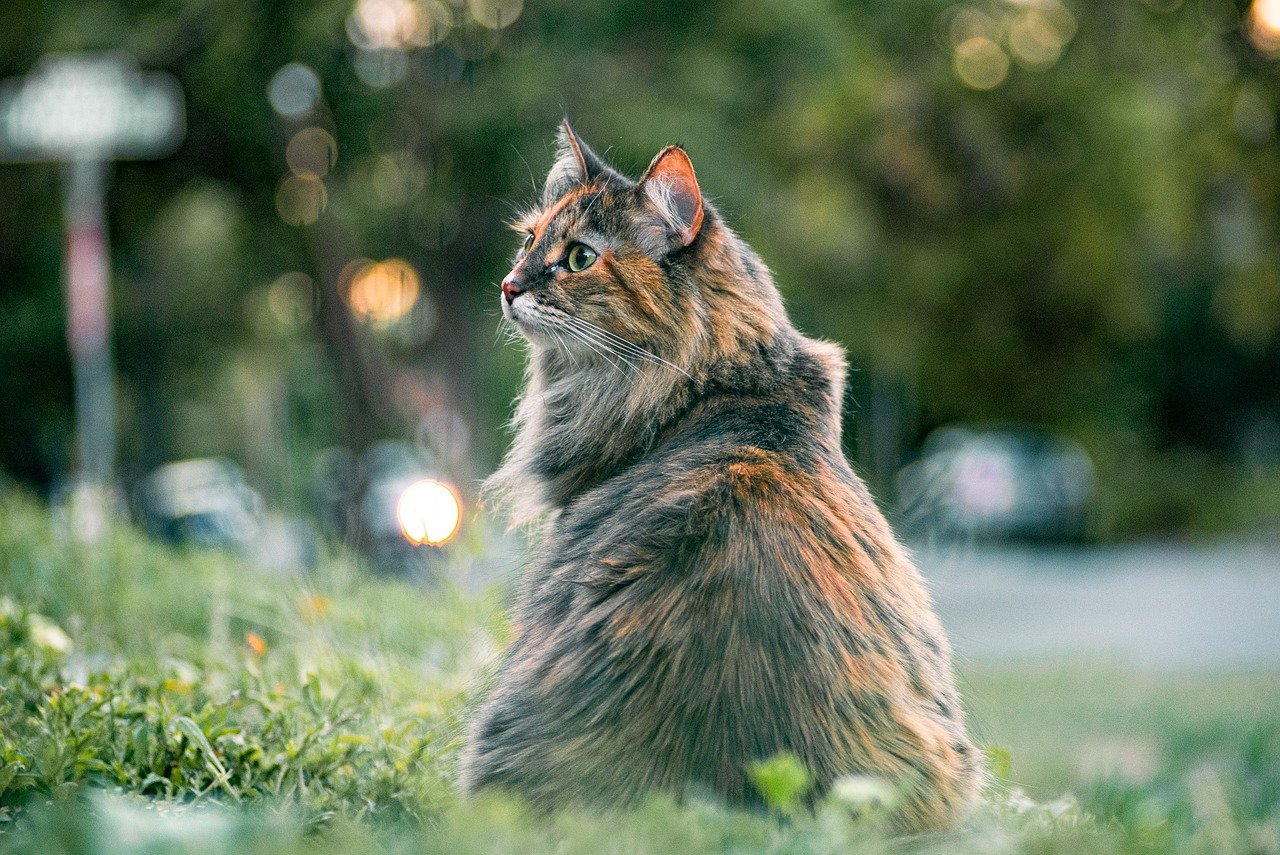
x=518, y=309
x=529, y=317
x=583, y=341
x=545, y=326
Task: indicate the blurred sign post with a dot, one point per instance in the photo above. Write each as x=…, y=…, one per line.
x=85, y=111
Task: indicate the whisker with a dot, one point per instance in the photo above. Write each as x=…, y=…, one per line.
x=594, y=335
x=618, y=360
x=533, y=181
x=607, y=346
x=606, y=343
x=578, y=337
x=622, y=342
x=632, y=346
x=567, y=349
x=616, y=345
x=599, y=348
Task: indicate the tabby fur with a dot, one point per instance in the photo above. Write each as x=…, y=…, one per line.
x=713, y=584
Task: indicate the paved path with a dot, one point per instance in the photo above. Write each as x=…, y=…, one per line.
x=1155, y=606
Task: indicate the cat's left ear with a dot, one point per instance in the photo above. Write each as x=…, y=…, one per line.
x=671, y=187
x=575, y=164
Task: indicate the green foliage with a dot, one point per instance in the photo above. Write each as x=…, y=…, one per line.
x=999, y=761
x=230, y=735
x=192, y=676
x=782, y=781
x=241, y=712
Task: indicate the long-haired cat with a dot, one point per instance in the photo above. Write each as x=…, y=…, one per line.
x=714, y=585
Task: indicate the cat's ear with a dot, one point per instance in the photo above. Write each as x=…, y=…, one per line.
x=672, y=189
x=575, y=164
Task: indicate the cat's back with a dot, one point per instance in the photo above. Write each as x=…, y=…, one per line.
x=733, y=595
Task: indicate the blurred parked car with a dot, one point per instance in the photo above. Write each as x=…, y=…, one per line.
x=997, y=483
x=208, y=502
x=205, y=501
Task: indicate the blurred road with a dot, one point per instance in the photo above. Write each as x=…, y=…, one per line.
x=1153, y=605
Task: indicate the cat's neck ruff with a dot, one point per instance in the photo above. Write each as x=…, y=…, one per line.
x=582, y=417
x=579, y=420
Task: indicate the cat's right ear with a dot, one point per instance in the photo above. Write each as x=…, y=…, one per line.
x=672, y=190
x=575, y=164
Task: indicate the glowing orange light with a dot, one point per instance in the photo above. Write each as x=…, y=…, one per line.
x=429, y=512
x=1264, y=25
x=383, y=291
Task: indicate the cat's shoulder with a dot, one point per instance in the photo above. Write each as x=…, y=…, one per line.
x=674, y=495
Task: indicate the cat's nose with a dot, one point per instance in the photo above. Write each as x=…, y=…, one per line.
x=512, y=287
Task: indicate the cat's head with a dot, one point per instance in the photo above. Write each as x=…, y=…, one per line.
x=638, y=300
x=608, y=267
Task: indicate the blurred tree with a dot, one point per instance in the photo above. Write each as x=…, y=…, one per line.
x=1008, y=211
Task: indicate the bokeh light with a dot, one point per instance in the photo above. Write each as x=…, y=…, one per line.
x=291, y=298
x=1034, y=33
x=980, y=63
x=969, y=23
x=381, y=292
x=1036, y=39
x=379, y=69
x=384, y=24
x=495, y=14
x=301, y=199
x=434, y=22
x=294, y=90
x=1264, y=25
x=429, y=512
x=396, y=177
x=311, y=151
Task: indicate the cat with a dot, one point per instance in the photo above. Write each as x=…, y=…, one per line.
x=714, y=585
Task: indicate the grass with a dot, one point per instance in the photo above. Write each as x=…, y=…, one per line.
x=156, y=700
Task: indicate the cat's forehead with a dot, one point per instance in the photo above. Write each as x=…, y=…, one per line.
x=590, y=206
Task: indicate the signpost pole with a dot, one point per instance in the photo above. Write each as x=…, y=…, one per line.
x=87, y=279
x=85, y=111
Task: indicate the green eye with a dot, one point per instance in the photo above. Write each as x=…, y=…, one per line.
x=580, y=257
x=528, y=244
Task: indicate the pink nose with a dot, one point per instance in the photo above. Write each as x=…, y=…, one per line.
x=511, y=288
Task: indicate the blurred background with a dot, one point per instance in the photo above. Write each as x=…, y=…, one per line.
x=1045, y=233
x=1044, y=230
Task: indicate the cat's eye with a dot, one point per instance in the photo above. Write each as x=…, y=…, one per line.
x=528, y=244
x=580, y=257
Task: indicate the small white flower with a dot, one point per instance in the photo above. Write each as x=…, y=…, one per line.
x=47, y=634
x=863, y=792
x=1019, y=802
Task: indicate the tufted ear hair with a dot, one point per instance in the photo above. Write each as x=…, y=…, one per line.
x=575, y=164
x=672, y=189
